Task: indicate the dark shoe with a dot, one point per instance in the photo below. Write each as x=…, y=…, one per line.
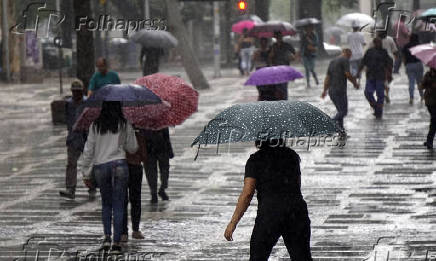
x=68, y=193
x=163, y=195
x=153, y=199
x=411, y=101
x=116, y=249
x=137, y=235
x=91, y=193
x=428, y=145
x=106, y=245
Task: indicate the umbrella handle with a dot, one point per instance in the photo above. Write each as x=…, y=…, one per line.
x=198, y=152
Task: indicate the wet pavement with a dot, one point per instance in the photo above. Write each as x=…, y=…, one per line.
x=372, y=199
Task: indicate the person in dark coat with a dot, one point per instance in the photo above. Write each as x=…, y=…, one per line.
x=428, y=84
x=150, y=60
x=379, y=65
x=260, y=60
x=274, y=171
x=281, y=54
x=159, y=151
x=75, y=139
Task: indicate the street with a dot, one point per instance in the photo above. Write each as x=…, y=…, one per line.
x=372, y=198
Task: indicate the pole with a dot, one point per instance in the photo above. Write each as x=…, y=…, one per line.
x=216, y=40
x=147, y=9
x=5, y=40
x=61, y=55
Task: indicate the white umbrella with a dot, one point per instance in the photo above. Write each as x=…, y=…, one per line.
x=154, y=38
x=355, y=19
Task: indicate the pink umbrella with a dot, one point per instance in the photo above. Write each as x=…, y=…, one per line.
x=426, y=53
x=241, y=25
x=182, y=98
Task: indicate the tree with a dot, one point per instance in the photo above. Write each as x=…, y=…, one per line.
x=313, y=8
x=189, y=58
x=85, y=43
x=261, y=9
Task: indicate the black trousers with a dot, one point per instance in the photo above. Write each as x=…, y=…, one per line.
x=287, y=218
x=432, y=129
x=153, y=160
x=134, y=196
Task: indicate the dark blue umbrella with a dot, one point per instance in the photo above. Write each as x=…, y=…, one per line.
x=266, y=119
x=127, y=94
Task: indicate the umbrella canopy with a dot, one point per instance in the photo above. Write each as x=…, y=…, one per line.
x=429, y=13
x=266, y=119
x=134, y=97
x=426, y=53
x=267, y=29
x=128, y=94
x=334, y=30
x=182, y=98
x=355, y=19
x=306, y=21
x=241, y=25
x=154, y=39
x=273, y=75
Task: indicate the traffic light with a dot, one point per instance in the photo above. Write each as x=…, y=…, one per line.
x=242, y=5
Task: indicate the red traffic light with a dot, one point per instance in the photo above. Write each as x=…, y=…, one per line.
x=242, y=5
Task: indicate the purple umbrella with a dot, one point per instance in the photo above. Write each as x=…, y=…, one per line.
x=273, y=75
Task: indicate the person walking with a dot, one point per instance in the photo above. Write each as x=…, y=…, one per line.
x=377, y=63
x=414, y=67
x=389, y=45
x=75, y=139
x=401, y=38
x=335, y=84
x=133, y=193
x=102, y=77
x=356, y=42
x=245, y=49
x=428, y=84
x=274, y=171
x=110, y=136
x=281, y=54
x=159, y=151
x=308, y=51
x=150, y=60
x=260, y=60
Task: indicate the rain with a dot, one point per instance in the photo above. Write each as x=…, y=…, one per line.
x=247, y=130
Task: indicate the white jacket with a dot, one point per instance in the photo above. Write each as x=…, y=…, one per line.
x=101, y=149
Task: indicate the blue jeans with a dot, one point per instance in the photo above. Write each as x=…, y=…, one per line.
x=309, y=66
x=397, y=62
x=378, y=87
x=246, y=59
x=354, y=67
x=112, y=178
x=415, y=73
x=341, y=103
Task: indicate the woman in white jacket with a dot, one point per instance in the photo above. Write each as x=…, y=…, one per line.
x=110, y=136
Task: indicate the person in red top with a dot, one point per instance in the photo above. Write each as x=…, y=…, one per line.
x=401, y=36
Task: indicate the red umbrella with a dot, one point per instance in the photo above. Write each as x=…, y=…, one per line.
x=172, y=89
x=144, y=117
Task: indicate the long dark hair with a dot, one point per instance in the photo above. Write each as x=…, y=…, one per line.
x=111, y=118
